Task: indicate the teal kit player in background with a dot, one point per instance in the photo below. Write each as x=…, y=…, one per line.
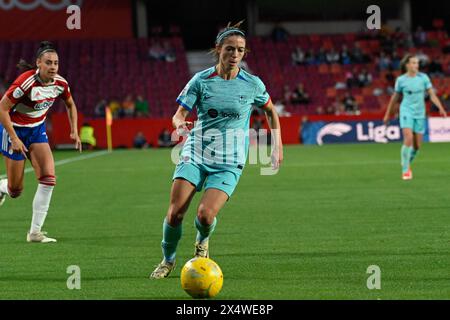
x=412, y=85
x=215, y=151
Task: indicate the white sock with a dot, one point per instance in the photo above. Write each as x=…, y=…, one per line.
x=4, y=186
x=41, y=203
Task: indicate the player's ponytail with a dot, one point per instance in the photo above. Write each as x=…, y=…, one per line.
x=405, y=61
x=44, y=47
x=23, y=66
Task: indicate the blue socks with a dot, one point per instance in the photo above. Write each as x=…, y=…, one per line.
x=171, y=236
x=204, y=231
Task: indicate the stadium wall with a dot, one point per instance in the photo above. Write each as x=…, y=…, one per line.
x=313, y=129
x=39, y=19
x=124, y=130
x=323, y=27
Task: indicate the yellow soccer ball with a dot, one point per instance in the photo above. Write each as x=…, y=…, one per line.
x=201, y=278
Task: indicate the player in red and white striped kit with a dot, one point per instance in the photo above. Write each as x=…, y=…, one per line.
x=23, y=110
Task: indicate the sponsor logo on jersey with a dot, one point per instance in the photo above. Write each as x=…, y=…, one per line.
x=213, y=113
x=43, y=105
x=234, y=115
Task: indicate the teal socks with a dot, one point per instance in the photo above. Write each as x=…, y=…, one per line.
x=406, y=153
x=204, y=231
x=171, y=236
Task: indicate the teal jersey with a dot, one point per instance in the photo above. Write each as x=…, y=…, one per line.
x=413, y=90
x=220, y=136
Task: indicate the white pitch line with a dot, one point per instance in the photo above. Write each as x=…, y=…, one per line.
x=70, y=160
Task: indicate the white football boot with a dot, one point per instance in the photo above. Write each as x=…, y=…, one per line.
x=39, y=237
x=162, y=270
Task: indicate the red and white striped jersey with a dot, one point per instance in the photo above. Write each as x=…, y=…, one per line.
x=32, y=99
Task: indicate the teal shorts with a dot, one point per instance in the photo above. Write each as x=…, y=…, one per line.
x=224, y=179
x=416, y=125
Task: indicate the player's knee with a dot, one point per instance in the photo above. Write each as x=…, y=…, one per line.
x=48, y=180
x=205, y=214
x=175, y=214
x=15, y=192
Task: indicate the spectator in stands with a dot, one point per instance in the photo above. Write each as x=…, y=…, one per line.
x=329, y=110
x=395, y=61
x=87, y=137
x=310, y=57
x=435, y=68
x=280, y=107
x=351, y=107
x=279, y=33
x=298, y=56
x=139, y=141
x=332, y=56
x=128, y=106
x=165, y=139
x=388, y=45
x=357, y=54
x=141, y=106
x=337, y=107
x=99, y=109
x=287, y=94
x=114, y=106
x=169, y=52
x=300, y=96
x=420, y=37
x=320, y=110
x=351, y=78
x=384, y=61
x=345, y=55
x=364, y=78
x=321, y=56
x=424, y=59
x=156, y=51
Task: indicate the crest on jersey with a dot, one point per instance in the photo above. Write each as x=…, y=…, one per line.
x=243, y=99
x=18, y=93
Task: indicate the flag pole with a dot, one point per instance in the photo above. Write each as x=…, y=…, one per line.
x=109, y=120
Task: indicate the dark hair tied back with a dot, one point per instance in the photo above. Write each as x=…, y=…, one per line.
x=44, y=46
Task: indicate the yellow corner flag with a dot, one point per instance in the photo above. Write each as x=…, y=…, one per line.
x=109, y=121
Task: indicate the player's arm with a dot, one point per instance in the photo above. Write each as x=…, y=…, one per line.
x=16, y=144
x=394, y=99
x=274, y=124
x=437, y=102
x=73, y=120
x=179, y=121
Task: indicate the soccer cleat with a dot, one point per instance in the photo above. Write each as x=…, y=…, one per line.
x=2, y=198
x=407, y=175
x=202, y=249
x=162, y=270
x=39, y=237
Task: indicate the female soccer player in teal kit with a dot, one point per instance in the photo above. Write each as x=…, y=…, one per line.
x=215, y=151
x=412, y=85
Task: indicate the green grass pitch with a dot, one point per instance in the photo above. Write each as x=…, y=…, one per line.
x=309, y=232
